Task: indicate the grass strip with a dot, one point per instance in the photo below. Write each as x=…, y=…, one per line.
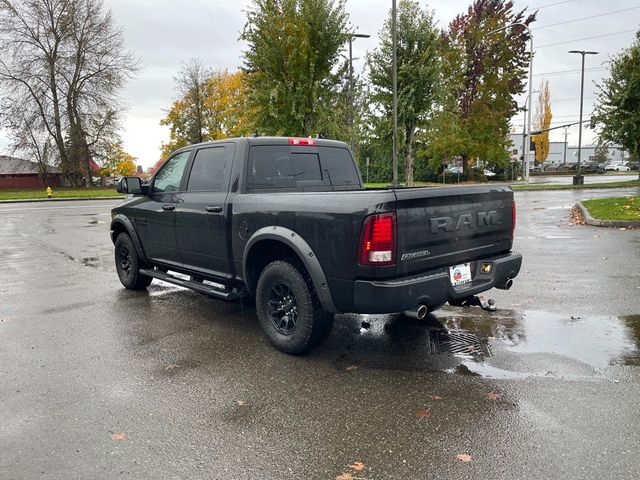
x=63, y=192
x=616, y=208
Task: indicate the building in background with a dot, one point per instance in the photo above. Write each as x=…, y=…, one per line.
x=19, y=173
x=557, y=153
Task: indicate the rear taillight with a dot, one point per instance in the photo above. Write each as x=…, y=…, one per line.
x=302, y=141
x=513, y=219
x=378, y=240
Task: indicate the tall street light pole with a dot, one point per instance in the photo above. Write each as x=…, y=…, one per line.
x=577, y=178
x=351, y=37
x=394, y=82
x=524, y=132
x=525, y=155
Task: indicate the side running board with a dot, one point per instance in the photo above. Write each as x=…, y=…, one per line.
x=200, y=287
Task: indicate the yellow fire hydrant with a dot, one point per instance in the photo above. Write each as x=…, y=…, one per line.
x=49, y=192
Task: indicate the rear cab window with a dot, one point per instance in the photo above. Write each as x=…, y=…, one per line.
x=277, y=167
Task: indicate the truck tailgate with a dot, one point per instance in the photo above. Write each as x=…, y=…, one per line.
x=444, y=226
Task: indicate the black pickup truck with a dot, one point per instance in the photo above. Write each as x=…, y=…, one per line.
x=287, y=220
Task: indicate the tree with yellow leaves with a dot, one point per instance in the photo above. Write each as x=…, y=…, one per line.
x=542, y=122
x=118, y=162
x=212, y=106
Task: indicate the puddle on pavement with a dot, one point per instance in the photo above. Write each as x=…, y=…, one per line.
x=503, y=344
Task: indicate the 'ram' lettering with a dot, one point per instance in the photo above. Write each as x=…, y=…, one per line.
x=441, y=223
x=464, y=221
x=487, y=218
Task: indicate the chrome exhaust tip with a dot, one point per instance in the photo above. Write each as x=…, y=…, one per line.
x=506, y=285
x=418, y=313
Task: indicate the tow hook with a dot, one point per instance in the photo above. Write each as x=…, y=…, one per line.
x=476, y=301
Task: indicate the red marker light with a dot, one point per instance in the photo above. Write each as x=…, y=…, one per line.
x=302, y=141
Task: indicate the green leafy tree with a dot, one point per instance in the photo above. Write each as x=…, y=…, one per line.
x=294, y=47
x=601, y=152
x=418, y=76
x=618, y=103
x=482, y=72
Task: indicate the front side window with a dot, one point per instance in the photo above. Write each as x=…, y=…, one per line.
x=209, y=171
x=170, y=175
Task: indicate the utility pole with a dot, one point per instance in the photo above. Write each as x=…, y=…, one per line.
x=394, y=81
x=525, y=156
x=577, y=178
x=350, y=87
x=564, y=160
x=528, y=136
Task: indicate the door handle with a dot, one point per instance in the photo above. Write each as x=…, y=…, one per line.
x=168, y=206
x=214, y=208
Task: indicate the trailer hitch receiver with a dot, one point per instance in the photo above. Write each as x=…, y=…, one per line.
x=487, y=304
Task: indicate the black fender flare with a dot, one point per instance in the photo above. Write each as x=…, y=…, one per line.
x=128, y=226
x=294, y=241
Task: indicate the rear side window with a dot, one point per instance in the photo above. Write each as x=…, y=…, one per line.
x=276, y=167
x=209, y=172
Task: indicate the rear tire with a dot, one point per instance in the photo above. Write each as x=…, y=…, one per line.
x=289, y=311
x=128, y=264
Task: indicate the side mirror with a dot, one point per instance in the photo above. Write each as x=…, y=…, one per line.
x=131, y=185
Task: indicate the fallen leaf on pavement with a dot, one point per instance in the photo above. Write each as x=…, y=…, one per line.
x=352, y=368
x=576, y=217
x=493, y=395
x=171, y=366
x=435, y=397
x=242, y=403
x=463, y=457
x=423, y=412
x=358, y=466
x=344, y=476
x=118, y=436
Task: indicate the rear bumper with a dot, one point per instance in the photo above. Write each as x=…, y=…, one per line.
x=433, y=288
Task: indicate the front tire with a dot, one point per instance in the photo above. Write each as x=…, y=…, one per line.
x=128, y=264
x=289, y=311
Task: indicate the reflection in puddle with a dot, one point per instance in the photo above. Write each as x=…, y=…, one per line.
x=557, y=343
x=504, y=344
x=596, y=341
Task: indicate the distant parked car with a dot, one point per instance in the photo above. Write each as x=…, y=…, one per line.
x=454, y=170
x=633, y=165
x=566, y=167
x=592, y=167
x=613, y=167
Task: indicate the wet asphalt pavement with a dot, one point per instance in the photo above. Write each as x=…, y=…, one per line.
x=100, y=382
x=568, y=179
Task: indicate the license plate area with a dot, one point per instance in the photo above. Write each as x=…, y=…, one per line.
x=460, y=274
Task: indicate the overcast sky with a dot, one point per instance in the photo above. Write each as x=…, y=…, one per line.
x=164, y=33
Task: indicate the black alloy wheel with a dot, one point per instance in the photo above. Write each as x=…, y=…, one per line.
x=128, y=264
x=288, y=308
x=283, y=308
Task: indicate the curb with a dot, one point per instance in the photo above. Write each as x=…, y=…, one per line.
x=63, y=199
x=596, y=222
